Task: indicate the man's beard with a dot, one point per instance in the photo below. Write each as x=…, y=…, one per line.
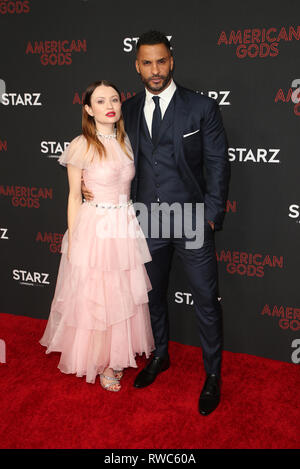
x=166, y=80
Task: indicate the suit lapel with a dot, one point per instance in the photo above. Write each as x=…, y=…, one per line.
x=145, y=126
x=180, y=119
x=135, y=120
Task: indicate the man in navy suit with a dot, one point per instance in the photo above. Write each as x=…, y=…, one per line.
x=180, y=151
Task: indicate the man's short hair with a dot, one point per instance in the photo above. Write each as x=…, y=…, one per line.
x=153, y=37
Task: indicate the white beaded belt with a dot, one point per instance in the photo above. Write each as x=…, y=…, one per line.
x=107, y=204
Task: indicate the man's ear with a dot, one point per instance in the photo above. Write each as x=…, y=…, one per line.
x=172, y=63
x=137, y=66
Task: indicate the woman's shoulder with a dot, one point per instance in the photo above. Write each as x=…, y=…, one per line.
x=77, y=141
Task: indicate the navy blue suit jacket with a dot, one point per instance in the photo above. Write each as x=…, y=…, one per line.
x=200, y=147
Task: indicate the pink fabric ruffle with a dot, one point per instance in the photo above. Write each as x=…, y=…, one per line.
x=99, y=315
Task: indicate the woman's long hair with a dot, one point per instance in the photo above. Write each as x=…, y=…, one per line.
x=89, y=126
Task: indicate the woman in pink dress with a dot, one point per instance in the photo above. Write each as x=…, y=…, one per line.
x=99, y=317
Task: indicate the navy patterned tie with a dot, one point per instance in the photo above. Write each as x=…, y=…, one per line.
x=156, y=120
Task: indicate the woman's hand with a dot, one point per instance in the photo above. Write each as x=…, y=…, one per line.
x=88, y=195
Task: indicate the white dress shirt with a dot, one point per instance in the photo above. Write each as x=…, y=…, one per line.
x=165, y=98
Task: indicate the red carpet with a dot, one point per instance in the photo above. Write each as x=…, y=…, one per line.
x=42, y=408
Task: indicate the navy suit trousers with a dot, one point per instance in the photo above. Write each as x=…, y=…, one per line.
x=200, y=266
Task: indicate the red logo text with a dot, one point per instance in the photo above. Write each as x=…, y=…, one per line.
x=248, y=264
x=56, y=52
x=28, y=197
x=287, y=317
x=259, y=42
x=52, y=239
x=11, y=7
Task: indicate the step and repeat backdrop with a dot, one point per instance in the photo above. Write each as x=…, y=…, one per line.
x=247, y=59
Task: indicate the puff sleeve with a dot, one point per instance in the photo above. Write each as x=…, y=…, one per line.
x=76, y=153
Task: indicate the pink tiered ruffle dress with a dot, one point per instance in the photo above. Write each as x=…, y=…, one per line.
x=99, y=315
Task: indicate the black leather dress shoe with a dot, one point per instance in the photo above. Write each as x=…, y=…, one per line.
x=149, y=373
x=210, y=395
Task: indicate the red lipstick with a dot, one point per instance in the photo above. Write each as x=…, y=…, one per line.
x=110, y=114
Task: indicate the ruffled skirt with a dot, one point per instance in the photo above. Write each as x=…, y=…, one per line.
x=99, y=315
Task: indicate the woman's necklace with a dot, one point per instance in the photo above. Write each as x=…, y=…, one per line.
x=109, y=136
